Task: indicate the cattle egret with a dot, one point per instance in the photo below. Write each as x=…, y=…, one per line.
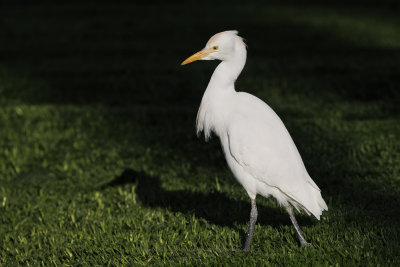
x=257, y=146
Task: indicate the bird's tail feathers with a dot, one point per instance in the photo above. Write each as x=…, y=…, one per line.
x=311, y=202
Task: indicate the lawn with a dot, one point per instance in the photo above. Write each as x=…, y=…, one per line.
x=100, y=163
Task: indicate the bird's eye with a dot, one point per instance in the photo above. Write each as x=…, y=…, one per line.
x=215, y=47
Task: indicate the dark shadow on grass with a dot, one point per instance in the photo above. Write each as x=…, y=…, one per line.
x=215, y=207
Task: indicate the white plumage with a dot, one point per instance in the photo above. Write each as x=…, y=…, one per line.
x=257, y=147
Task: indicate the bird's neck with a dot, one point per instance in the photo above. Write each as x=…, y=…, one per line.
x=220, y=92
x=227, y=72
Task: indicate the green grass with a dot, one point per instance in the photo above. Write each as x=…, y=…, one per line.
x=100, y=165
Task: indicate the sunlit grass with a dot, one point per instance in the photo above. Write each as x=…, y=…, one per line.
x=99, y=162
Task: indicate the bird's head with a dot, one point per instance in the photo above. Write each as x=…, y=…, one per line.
x=221, y=46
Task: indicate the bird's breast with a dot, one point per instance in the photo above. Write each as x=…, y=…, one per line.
x=214, y=115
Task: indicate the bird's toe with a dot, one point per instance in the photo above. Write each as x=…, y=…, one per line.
x=304, y=244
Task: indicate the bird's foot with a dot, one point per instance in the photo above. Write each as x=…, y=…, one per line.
x=245, y=249
x=304, y=244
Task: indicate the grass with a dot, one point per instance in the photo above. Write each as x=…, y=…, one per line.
x=100, y=165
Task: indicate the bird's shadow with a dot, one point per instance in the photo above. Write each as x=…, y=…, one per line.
x=214, y=207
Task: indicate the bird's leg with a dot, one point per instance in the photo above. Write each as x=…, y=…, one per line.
x=253, y=219
x=303, y=242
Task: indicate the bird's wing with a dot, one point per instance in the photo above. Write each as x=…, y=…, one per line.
x=265, y=150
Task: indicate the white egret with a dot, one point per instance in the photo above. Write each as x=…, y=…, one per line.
x=257, y=146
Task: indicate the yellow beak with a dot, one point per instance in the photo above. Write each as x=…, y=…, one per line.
x=198, y=55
